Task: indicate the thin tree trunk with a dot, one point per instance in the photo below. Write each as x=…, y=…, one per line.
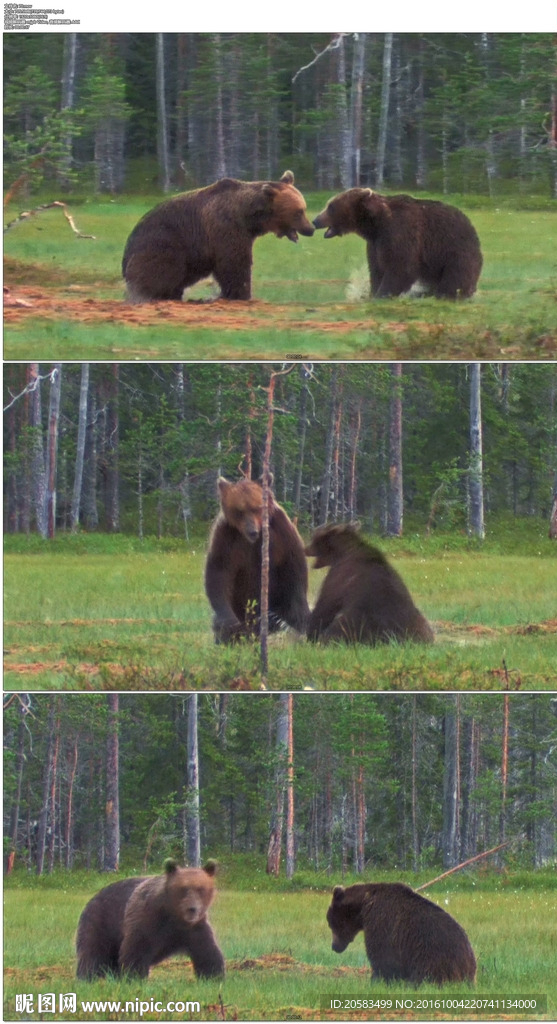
x=19, y=765
x=290, y=853
x=45, y=802
x=112, y=807
x=80, y=453
x=112, y=451
x=72, y=769
x=504, y=768
x=162, y=118
x=451, y=787
x=415, y=834
x=329, y=443
x=193, y=829
x=475, y=475
x=358, y=67
x=277, y=824
x=395, y=500
x=384, y=113
x=54, y=804
x=553, y=516
x=52, y=450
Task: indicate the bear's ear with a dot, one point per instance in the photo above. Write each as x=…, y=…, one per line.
x=170, y=866
x=338, y=893
x=375, y=203
x=288, y=177
x=271, y=480
x=210, y=867
x=223, y=484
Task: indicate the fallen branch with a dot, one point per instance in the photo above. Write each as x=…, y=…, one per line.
x=464, y=864
x=48, y=206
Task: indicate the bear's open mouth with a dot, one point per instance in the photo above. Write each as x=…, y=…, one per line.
x=330, y=233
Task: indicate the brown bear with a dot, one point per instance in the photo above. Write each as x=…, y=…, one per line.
x=409, y=241
x=362, y=598
x=407, y=937
x=131, y=925
x=210, y=231
x=233, y=567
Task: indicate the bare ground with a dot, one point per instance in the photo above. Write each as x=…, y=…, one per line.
x=396, y=339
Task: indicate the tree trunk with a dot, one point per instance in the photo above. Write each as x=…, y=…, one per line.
x=52, y=450
x=451, y=787
x=112, y=451
x=42, y=824
x=553, y=516
x=112, y=806
x=384, y=113
x=475, y=473
x=281, y=775
x=395, y=500
x=193, y=850
x=68, y=102
x=19, y=765
x=287, y=698
x=327, y=472
x=71, y=770
x=162, y=118
x=358, y=68
x=80, y=453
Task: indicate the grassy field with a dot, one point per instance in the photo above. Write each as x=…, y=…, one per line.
x=279, y=960
x=100, y=612
x=309, y=300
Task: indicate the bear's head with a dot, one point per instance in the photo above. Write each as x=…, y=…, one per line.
x=351, y=211
x=330, y=543
x=344, y=915
x=286, y=209
x=189, y=891
x=242, y=506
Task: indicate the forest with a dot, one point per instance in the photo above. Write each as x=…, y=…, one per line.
x=132, y=112
x=137, y=449
x=317, y=784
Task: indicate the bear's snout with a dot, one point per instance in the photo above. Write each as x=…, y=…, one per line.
x=323, y=221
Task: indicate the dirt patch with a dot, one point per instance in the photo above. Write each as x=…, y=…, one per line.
x=219, y=315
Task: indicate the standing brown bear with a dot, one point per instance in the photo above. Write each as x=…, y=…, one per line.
x=407, y=937
x=210, y=231
x=131, y=925
x=409, y=241
x=233, y=567
x=362, y=598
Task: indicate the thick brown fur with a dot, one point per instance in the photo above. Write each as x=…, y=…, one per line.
x=409, y=241
x=131, y=925
x=407, y=937
x=210, y=231
x=233, y=567
x=362, y=598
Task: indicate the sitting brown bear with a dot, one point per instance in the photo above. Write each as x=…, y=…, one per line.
x=131, y=925
x=362, y=598
x=407, y=937
x=210, y=231
x=233, y=567
x=409, y=241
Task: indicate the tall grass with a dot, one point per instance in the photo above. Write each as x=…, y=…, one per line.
x=117, y=613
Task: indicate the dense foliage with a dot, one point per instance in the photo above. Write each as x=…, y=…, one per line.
x=452, y=113
x=381, y=760
x=157, y=436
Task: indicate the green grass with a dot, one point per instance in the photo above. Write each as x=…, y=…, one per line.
x=303, y=296
x=113, y=612
x=277, y=948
